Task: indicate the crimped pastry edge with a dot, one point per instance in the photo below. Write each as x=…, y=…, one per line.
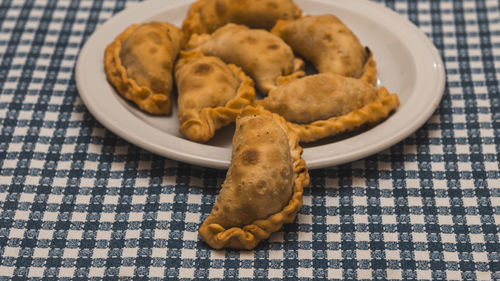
x=192, y=23
x=248, y=236
x=371, y=113
x=210, y=119
x=369, y=74
x=153, y=103
x=298, y=71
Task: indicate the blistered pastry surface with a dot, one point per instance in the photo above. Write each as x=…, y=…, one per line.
x=211, y=94
x=205, y=16
x=139, y=63
x=263, y=56
x=264, y=184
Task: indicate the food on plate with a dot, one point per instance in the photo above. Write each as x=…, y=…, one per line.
x=210, y=94
x=263, y=56
x=329, y=45
x=223, y=47
x=205, y=16
x=323, y=105
x=317, y=97
x=263, y=186
x=139, y=63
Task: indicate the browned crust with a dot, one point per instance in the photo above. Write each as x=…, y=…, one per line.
x=298, y=72
x=145, y=98
x=197, y=40
x=297, y=12
x=279, y=26
x=371, y=113
x=369, y=69
x=203, y=128
x=192, y=22
x=248, y=236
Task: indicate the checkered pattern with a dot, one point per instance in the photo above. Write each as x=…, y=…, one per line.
x=78, y=202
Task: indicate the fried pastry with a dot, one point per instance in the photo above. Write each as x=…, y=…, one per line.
x=323, y=105
x=205, y=16
x=263, y=186
x=329, y=45
x=263, y=56
x=139, y=64
x=210, y=94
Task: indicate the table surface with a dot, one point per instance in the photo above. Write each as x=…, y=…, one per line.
x=78, y=201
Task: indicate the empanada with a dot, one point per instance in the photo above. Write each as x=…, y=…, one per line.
x=263, y=186
x=263, y=56
x=329, y=45
x=139, y=64
x=210, y=94
x=205, y=16
x=322, y=105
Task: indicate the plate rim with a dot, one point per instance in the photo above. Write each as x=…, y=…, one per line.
x=217, y=157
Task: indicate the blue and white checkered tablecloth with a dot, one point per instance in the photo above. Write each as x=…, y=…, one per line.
x=78, y=202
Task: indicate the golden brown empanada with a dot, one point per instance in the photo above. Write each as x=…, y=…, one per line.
x=322, y=105
x=317, y=97
x=329, y=44
x=139, y=64
x=205, y=16
x=263, y=56
x=210, y=94
x=263, y=186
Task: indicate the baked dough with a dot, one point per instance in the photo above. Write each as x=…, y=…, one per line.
x=210, y=94
x=329, y=45
x=263, y=186
x=263, y=56
x=317, y=97
x=205, y=16
x=139, y=64
x=323, y=105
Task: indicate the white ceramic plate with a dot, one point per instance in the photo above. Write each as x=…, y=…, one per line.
x=407, y=62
